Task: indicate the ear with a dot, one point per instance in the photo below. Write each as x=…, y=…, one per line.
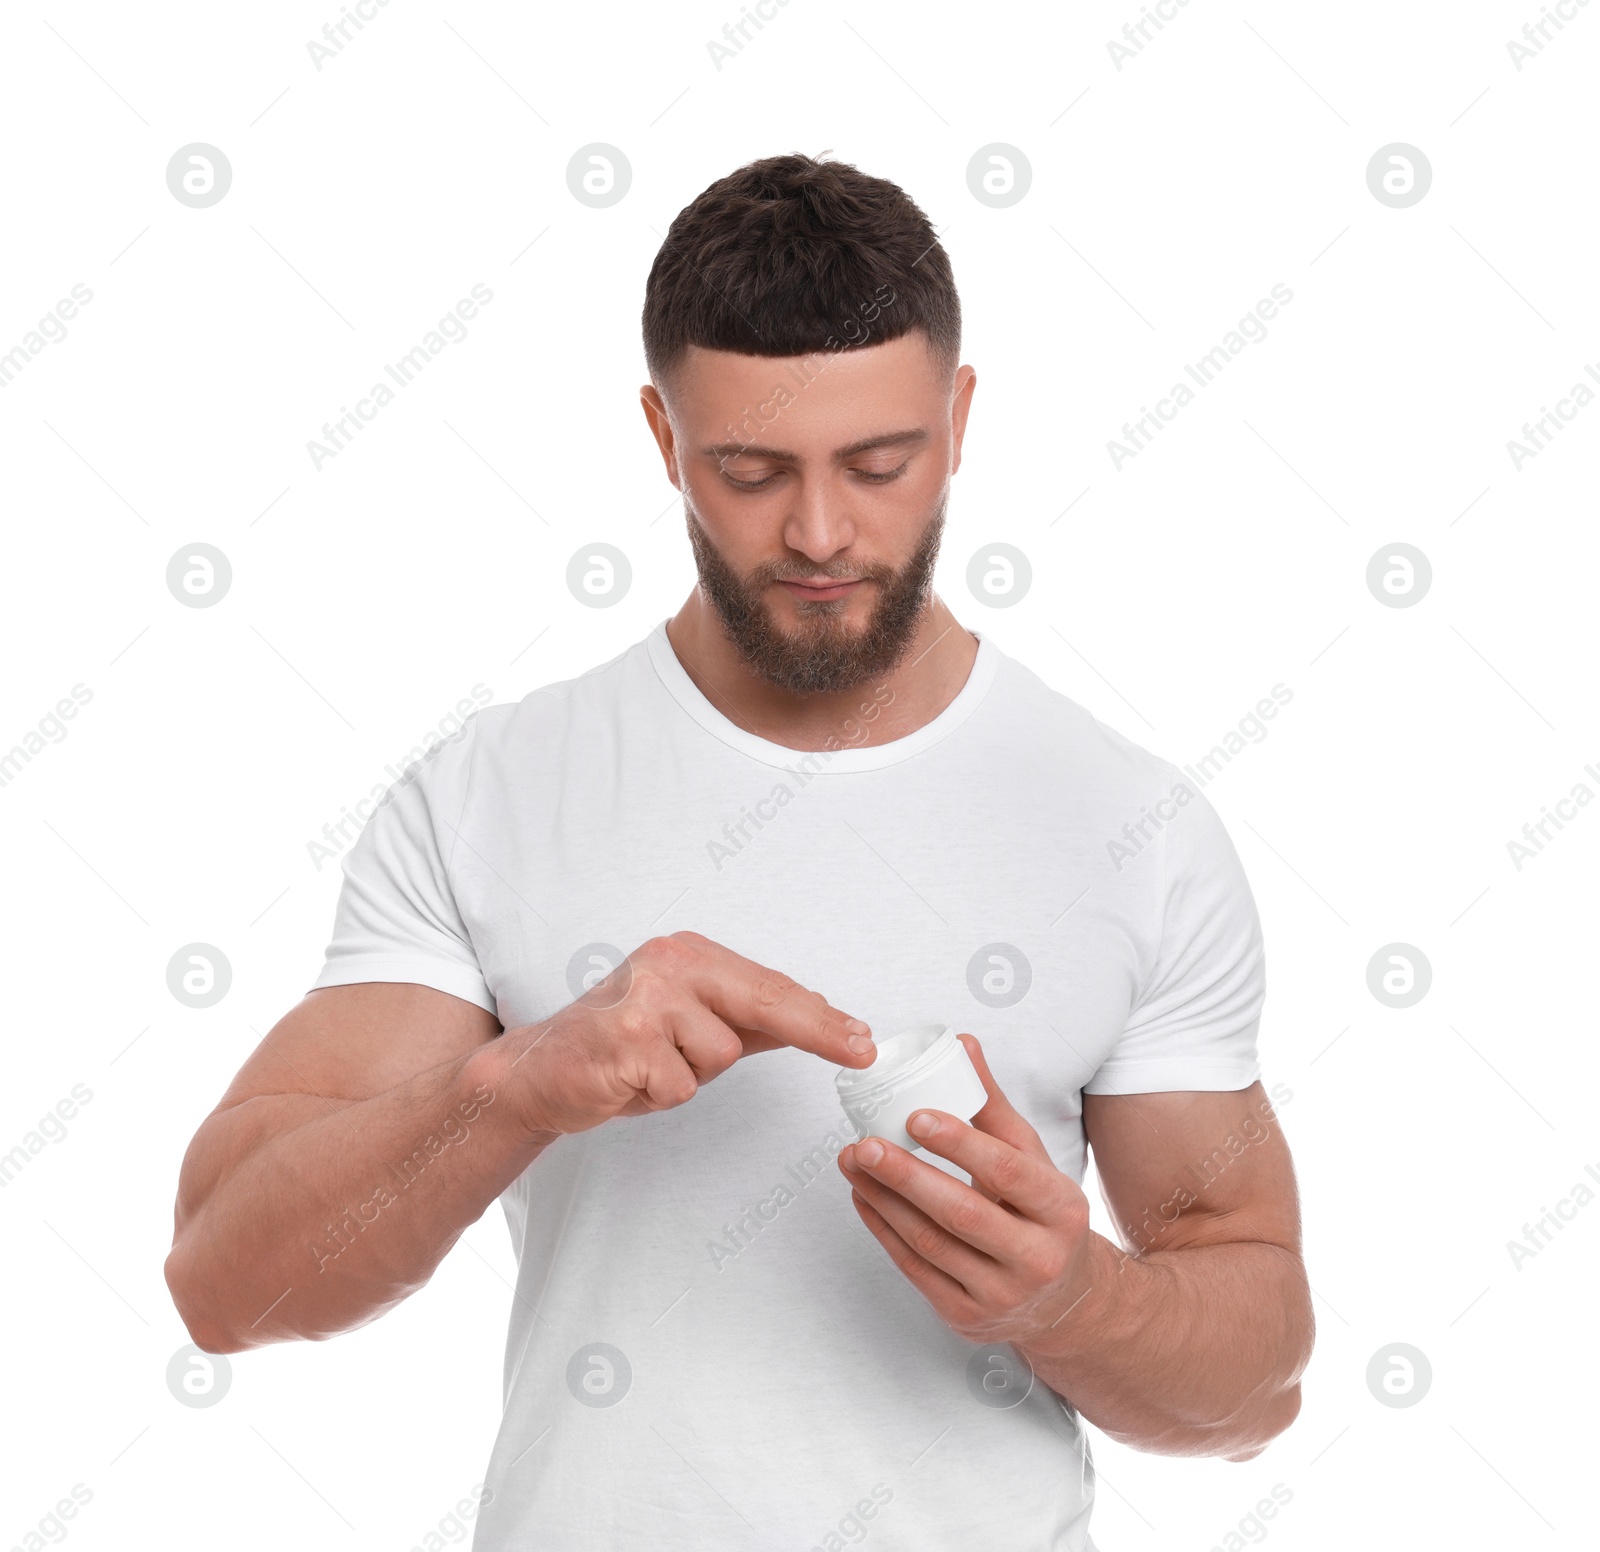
x=655, y=412
x=960, y=404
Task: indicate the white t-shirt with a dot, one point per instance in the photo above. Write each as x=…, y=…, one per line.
x=708, y=1352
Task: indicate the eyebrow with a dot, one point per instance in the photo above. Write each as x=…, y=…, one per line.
x=916, y=435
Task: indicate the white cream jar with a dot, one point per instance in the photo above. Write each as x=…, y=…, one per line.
x=921, y=1068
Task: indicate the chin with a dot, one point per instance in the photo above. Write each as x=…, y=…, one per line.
x=827, y=617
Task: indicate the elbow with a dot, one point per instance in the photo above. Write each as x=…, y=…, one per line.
x=209, y=1333
x=1276, y=1419
x=1282, y=1407
x=1283, y=1412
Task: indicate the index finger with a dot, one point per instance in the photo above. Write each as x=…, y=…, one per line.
x=1030, y=1185
x=767, y=1008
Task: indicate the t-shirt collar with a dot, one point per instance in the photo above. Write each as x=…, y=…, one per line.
x=846, y=757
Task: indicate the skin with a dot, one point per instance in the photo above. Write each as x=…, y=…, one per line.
x=1193, y=1344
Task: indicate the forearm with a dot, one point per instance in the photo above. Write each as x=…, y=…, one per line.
x=1193, y=1351
x=327, y=1222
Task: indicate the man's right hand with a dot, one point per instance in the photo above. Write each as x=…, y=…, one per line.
x=679, y=1011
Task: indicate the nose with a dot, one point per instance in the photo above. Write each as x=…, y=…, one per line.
x=818, y=524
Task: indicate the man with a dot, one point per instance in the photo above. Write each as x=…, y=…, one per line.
x=601, y=955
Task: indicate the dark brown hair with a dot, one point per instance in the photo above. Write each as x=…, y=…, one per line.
x=791, y=255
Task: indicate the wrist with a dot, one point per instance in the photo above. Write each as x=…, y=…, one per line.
x=502, y=1073
x=1100, y=1318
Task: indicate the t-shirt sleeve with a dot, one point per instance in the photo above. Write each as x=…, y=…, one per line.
x=1195, y=1021
x=397, y=918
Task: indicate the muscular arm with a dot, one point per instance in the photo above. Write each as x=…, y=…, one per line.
x=1192, y=1340
x=376, y=1121
x=349, y=1154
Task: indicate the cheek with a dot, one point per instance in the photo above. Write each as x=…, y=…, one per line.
x=905, y=500
x=733, y=530
x=716, y=507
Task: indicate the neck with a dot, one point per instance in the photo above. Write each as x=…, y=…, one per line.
x=927, y=678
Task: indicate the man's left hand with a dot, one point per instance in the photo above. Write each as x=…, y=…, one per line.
x=1005, y=1259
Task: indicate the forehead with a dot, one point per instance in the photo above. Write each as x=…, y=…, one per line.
x=823, y=389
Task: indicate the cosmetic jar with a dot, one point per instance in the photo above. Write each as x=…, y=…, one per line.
x=921, y=1068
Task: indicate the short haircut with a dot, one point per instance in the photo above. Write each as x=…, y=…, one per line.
x=791, y=255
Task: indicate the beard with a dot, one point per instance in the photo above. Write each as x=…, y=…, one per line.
x=823, y=654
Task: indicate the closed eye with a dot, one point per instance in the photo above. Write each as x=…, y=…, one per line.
x=872, y=477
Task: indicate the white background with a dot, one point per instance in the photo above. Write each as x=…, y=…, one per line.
x=369, y=596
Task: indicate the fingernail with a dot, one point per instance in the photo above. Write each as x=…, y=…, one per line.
x=922, y=1125
x=868, y=1152
x=860, y=1044
x=856, y=1027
